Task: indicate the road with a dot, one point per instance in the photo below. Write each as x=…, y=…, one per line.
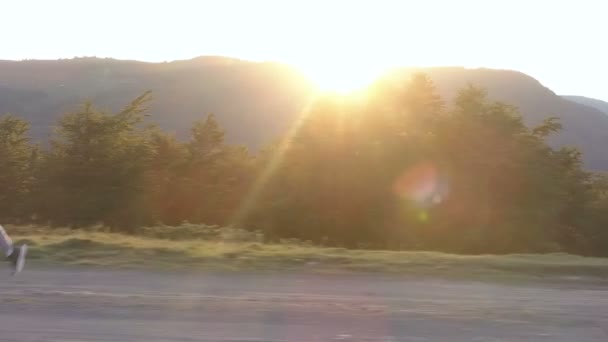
x=76, y=304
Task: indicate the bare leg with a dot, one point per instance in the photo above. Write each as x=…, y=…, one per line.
x=6, y=244
x=14, y=254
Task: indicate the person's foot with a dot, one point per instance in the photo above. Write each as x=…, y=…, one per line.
x=17, y=258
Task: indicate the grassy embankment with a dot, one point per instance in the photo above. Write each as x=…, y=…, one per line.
x=200, y=247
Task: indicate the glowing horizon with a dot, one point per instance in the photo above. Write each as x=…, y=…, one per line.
x=340, y=44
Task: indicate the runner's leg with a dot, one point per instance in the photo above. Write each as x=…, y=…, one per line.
x=6, y=244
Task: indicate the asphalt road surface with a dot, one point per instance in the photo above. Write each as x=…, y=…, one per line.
x=70, y=305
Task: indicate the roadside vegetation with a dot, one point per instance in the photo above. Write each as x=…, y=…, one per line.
x=198, y=247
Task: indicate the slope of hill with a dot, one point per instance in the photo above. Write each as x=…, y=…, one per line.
x=595, y=103
x=255, y=102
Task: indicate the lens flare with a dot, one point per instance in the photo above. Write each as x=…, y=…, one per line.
x=422, y=184
x=423, y=216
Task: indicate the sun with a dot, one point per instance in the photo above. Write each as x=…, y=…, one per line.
x=343, y=77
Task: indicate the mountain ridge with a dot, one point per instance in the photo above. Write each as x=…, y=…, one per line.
x=588, y=101
x=257, y=101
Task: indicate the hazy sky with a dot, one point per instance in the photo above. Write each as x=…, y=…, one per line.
x=561, y=43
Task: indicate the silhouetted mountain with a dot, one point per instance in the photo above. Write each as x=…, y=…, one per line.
x=595, y=103
x=252, y=100
x=255, y=102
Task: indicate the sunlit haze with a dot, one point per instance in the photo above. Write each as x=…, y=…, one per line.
x=339, y=44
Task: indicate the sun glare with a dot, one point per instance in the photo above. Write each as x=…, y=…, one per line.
x=343, y=77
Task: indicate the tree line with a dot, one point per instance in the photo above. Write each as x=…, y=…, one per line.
x=394, y=168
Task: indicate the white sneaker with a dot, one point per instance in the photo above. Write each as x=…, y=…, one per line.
x=21, y=258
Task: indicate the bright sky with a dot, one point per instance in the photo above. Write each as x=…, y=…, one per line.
x=560, y=42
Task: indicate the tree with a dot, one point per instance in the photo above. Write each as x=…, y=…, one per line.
x=94, y=170
x=216, y=176
x=163, y=183
x=17, y=162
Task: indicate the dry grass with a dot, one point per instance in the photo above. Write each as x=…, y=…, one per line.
x=222, y=250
